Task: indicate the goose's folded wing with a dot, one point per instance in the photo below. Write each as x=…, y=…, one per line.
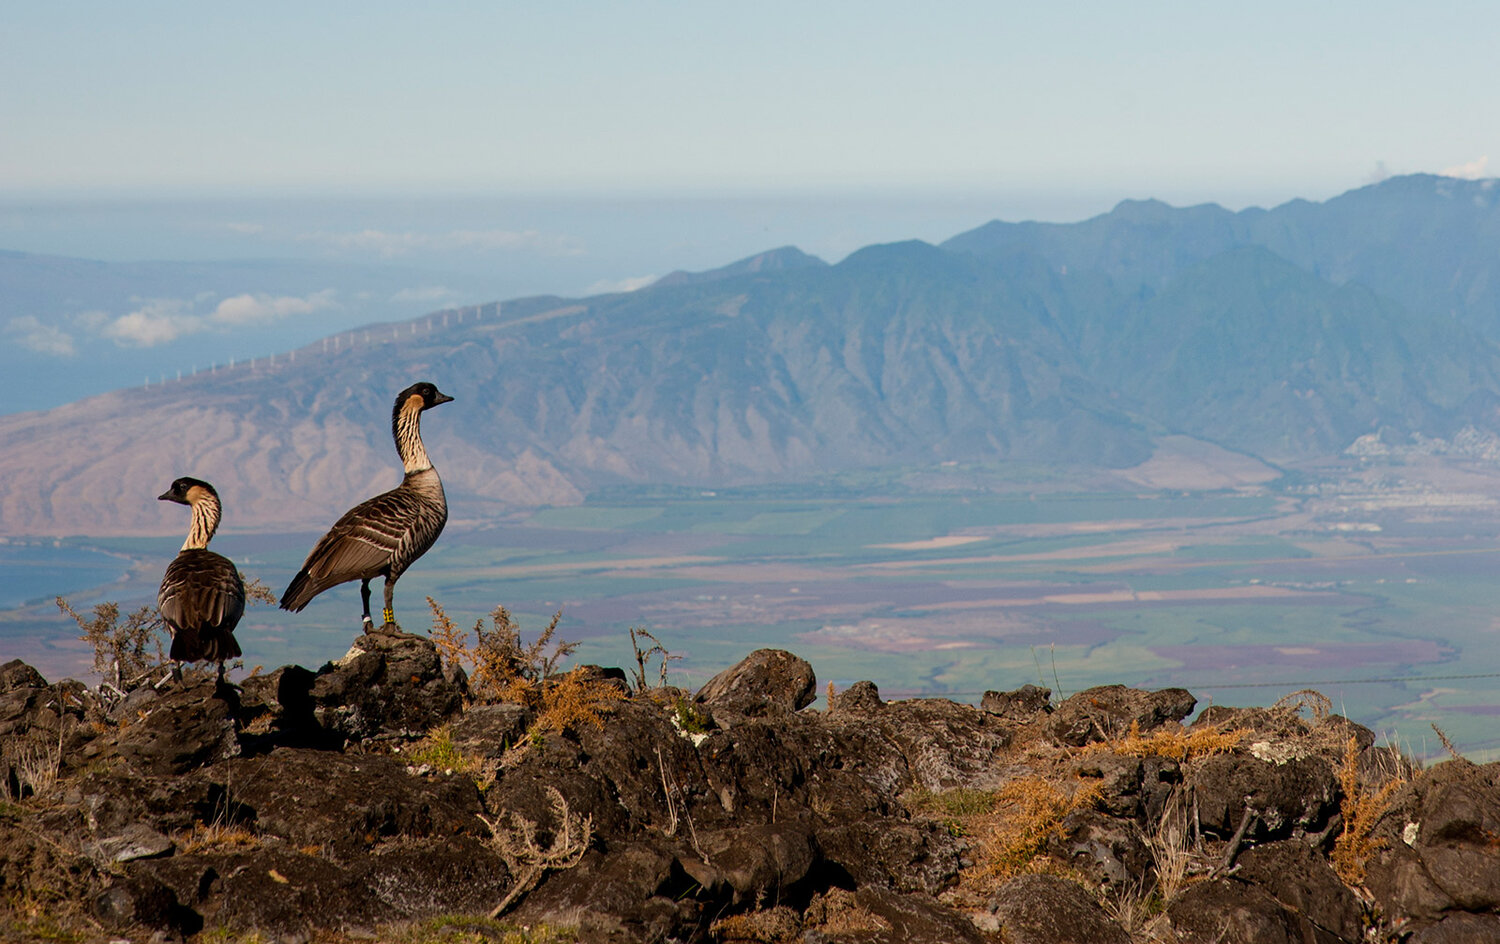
x=201, y=589
x=365, y=538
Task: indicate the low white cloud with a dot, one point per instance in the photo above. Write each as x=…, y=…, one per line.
x=31, y=333
x=157, y=322
x=163, y=320
x=388, y=244
x=247, y=309
x=245, y=229
x=91, y=321
x=608, y=286
x=1473, y=170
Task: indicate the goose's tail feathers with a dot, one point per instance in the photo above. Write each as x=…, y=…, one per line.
x=205, y=645
x=299, y=592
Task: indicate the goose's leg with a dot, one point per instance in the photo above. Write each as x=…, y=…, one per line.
x=364, y=594
x=390, y=589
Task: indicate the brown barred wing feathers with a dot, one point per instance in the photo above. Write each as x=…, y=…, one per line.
x=372, y=539
x=383, y=536
x=202, y=598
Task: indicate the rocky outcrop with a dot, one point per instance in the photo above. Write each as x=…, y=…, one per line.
x=300, y=801
x=387, y=684
x=1437, y=842
x=1046, y=909
x=767, y=681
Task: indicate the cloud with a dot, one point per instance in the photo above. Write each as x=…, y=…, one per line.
x=157, y=322
x=163, y=320
x=1473, y=170
x=608, y=286
x=481, y=240
x=91, y=321
x=243, y=310
x=42, y=338
x=245, y=229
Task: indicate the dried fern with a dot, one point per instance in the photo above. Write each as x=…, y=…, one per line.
x=1362, y=809
x=1172, y=741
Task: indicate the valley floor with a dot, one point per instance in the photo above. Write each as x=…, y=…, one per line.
x=1371, y=581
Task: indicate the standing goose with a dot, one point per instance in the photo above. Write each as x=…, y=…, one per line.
x=385, y=535
x=202, y=596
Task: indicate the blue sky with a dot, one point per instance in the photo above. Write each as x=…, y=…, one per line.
x=424, y=156
x=1236, y=103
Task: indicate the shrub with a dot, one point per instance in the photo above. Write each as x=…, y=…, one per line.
x=503, y=669
x=525, y=855
x=643, y=659
x=126, y=652
x=123, y=651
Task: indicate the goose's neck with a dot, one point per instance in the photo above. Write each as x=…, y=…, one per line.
x=406, y=427
x=205, y=522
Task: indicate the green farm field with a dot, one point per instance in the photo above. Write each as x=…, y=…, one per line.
x=1378, y=592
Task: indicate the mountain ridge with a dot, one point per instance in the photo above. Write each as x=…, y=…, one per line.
x=1070, y=345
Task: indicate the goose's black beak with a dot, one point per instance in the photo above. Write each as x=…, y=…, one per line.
x=441, y=398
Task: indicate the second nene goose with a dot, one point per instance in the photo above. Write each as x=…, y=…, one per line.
x=202, y=596
x=386, y=534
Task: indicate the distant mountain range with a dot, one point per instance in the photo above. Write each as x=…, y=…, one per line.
x=1286, y=334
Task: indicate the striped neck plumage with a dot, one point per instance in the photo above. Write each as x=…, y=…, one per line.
x=406, y=427
x=204, y=523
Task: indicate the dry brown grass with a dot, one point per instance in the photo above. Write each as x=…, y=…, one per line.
x=1173, y=742
x=258, y=592
x=216, y=837
x=36, y=764
x=1007, y=828
x=443, y=929
x=1362, y=807
x=777, y=925
x=1027, y=812
x=573, y=699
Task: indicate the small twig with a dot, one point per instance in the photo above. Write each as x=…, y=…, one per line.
x=1197, y=825
x=1227, y=863
x=522, y=886
x=1052, y=651
x=1446, y=743
x=667, y=790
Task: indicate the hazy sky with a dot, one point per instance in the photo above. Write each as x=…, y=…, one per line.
x=1191, y=101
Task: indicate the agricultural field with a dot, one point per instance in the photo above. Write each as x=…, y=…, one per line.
x=1375, y=586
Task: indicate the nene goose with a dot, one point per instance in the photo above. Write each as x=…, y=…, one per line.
x=202, y=596
x=385, y=535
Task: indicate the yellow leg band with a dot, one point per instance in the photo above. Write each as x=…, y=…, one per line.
x=390, y=615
